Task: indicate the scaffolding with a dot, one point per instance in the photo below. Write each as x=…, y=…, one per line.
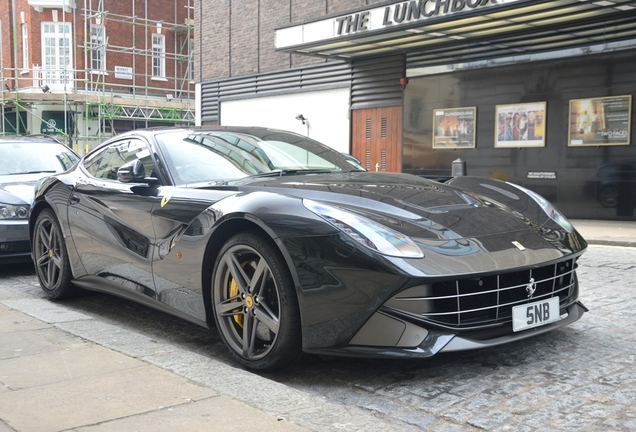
x=95, y=98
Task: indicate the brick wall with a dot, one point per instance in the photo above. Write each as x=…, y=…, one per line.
x=237, y=36
x=212, y=52
x=129, y=40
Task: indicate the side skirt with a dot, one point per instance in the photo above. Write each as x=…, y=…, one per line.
x=98, y=284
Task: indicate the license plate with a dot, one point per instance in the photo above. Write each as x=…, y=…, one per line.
x=535, y=314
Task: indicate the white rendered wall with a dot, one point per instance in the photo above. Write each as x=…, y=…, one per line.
x=327, y=112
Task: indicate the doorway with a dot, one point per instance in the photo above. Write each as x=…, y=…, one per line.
x=377, y=138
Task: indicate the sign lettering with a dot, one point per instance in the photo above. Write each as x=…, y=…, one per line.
x=407, y=12
x=392, y=16
x=353, y=23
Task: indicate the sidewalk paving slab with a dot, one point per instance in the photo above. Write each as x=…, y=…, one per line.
x=603, y=232
x=55, y=381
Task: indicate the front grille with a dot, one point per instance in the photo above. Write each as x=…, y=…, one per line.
x=476, y=302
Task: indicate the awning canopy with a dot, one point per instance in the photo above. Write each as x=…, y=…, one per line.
x=442, y=32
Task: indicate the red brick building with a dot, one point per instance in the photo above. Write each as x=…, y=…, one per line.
x=87, y=70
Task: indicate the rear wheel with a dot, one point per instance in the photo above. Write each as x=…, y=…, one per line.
x=51, y=259
x=255, y=304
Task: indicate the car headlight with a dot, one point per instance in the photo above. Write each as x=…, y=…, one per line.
x=10, y=211
x=367, y=232
x=548, y=208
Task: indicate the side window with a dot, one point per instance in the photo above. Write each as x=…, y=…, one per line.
x=104, y=164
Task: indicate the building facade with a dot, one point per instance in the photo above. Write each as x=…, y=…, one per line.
x=85, y=70
x=537, y=92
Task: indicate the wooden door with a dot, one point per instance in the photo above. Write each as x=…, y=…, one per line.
x=377, y=138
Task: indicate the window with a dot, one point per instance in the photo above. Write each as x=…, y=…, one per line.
x=98, y=47
x=25, y=47
x=104, y=165
x=56, y=53
x=158, y=56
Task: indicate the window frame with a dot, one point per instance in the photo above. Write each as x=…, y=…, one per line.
x=24, y=29
x=158, y=55
x=58, y=73
x=98, y=47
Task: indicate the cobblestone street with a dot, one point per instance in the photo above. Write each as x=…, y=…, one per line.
x=580, y=377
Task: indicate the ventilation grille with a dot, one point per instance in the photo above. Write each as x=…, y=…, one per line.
x=473, y=302
x=376, y=82
x=333, y=74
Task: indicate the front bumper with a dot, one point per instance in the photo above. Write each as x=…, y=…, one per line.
x=436, y=341
x=14, y=241
x=469, y=312
x=573, y=313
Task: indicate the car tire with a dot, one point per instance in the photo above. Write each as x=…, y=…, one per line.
x=255, y=303
x=52, y=265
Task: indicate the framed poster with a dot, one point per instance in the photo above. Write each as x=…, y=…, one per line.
x=520, y=125
x=600, y=121
x=454, y=127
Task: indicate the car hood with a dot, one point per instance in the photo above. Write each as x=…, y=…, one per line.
x=19, y=188
x=482, y=208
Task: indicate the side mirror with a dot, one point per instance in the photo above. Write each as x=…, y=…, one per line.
x=132, y=171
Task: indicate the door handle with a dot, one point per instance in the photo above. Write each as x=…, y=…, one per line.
x=74, y=199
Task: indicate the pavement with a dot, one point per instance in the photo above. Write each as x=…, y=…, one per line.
x=62, y=371
x=610, y=233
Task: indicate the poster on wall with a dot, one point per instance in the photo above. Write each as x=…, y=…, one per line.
x=600, y=121
x=454, y=127
x=520, y=125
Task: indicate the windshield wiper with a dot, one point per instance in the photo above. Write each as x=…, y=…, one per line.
x=285, y=172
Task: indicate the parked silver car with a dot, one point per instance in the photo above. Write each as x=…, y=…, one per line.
x=23, y=161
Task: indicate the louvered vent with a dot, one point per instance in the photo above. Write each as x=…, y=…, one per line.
x=336, y=74
x=383, y=130
x=367, y=160
x=383, y=159
x=376, y=82
x=368, y=129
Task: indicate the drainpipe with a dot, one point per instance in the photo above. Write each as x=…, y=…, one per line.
x=14, y=23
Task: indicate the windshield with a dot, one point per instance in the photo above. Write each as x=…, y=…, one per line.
x=221, y=156
x=29, y=157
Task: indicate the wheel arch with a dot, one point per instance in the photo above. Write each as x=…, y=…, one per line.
x=41, y=203
x=222, y=233
x=33, y=216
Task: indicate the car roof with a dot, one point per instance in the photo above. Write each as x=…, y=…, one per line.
x=38, y=138
x=144, y=132
x=237, y=129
